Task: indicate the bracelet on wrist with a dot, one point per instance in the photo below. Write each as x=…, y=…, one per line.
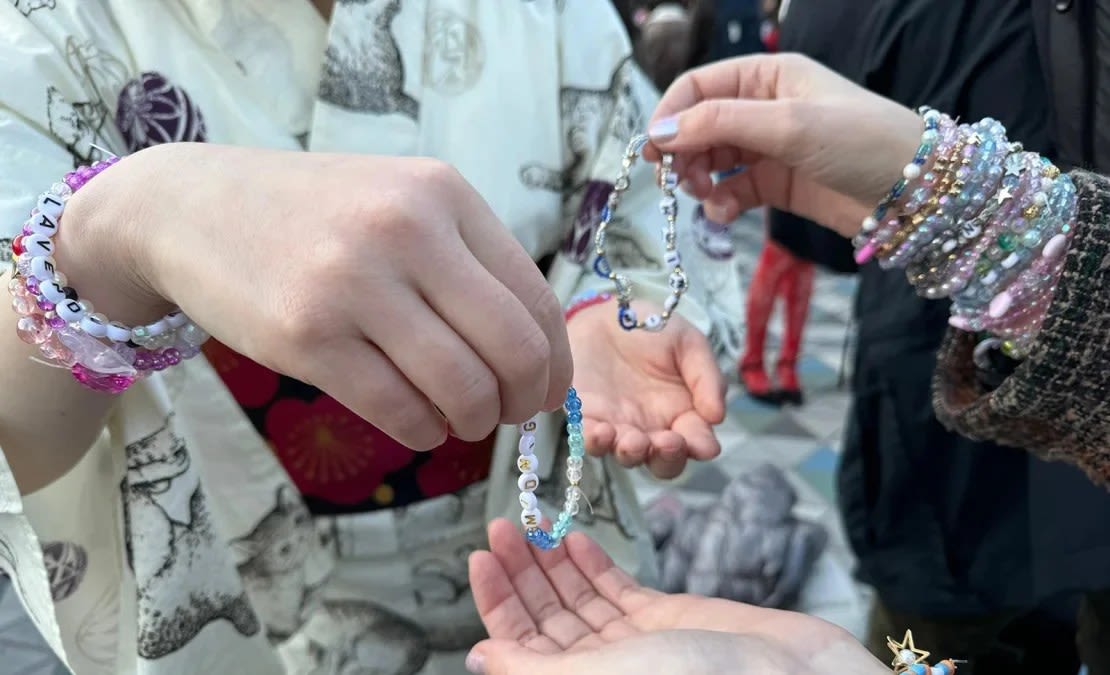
x=584, y=301
x=103, y=355
x=986, y=225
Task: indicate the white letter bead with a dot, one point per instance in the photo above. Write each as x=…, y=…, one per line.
x=44, y=224
x=51, y=205
x=117, y=332
x=531, y=517
x=527, y=444
x=95, y=324
x=38, y=245
x=176, y=319
x=528, y=500
x=527, y=463
x=528, y=482
x=653, y=322
x=42, y=268
x=158, y=327
x=672, y=258
x=52, y=291
x=670, y=303
x=70, y=311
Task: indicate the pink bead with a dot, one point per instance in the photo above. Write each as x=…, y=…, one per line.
x=172, y=356
x=865, y=253
x=959, y=322
x=54, y=350
x=45, y=305
x=55, y=321
x=1055, y=247
x=32, y=329
x=107, y=384
x=23, y=305
x=1001, y=304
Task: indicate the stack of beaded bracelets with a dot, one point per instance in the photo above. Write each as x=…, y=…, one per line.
x=668, y=205
x=69, y=331
x=987, y=226
x=528, y=464
x=910, y=660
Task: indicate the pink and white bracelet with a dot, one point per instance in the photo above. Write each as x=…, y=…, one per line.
x=103, y=355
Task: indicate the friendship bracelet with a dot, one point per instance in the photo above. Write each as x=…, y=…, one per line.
x=585, y=301
x=528, y=464
x=988, y=227
x=668, y=206
x=67, y=329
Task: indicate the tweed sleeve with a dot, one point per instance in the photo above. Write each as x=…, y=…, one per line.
x=1057, y=403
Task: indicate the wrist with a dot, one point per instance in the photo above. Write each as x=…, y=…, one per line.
x=104, y=251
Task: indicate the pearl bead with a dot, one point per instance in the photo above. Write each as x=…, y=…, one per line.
x=870, y=224
x=911, y=171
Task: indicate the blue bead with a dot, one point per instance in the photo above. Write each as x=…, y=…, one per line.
x=574, y=417
x=601, y=267
x=541, y=539
x=573, y=404
x=626, y=320
x=605, y=213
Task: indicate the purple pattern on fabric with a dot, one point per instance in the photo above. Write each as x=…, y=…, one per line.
x=152, y=111
x=580, y=240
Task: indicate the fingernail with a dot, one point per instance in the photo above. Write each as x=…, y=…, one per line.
x=736, y=170
x=664, y=129
x=475, y=663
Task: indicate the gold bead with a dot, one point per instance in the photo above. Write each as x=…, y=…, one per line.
x=1031, y=212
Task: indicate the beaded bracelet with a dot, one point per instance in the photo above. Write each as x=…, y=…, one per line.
x=668, y=205
x=988, y=227
x=67, y=329
x=528, y=464
x=911, y=660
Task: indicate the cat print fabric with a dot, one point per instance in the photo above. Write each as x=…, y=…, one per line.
x=178, y=544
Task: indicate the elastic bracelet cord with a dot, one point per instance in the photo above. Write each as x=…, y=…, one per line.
x=103, y=355
x=987, y=226
x=584, y=301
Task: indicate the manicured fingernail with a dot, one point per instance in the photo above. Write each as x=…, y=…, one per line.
x=664, y=129
x=475, y=663
x=731, y=172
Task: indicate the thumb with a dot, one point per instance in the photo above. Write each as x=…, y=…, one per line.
x=507, y=657
x=761, y=127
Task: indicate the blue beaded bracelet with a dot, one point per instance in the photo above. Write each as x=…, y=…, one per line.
x=528, y=464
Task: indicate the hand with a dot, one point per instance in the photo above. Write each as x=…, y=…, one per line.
x=650, y=398
x=386, y=282
x=814, y=143
x=572, y=610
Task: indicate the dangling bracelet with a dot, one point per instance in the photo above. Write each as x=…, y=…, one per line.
x=69, y=331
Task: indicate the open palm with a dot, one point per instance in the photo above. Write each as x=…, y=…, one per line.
x=574, y=610
x=649, y=398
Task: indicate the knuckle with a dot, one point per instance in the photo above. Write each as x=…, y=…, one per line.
x=479, y=405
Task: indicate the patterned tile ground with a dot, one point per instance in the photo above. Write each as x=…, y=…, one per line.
x=805, y=441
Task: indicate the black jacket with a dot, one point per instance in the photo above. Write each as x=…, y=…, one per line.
x=944, y=526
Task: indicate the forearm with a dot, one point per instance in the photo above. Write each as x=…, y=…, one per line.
x=48, y=420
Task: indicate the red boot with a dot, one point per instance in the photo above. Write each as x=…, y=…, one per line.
x=796, y=286
x=760, y=304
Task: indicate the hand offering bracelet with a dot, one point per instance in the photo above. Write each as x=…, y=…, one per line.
x=69, y=331
x=668, y=206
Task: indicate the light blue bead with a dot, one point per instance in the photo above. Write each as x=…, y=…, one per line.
x=574, y=428
x=577, y=452
x=576, y=439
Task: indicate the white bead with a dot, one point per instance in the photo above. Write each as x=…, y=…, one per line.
x=95, y=324
x=70, y=311
x=574, y=461
x=177, y=319
x=62, y=279
x=531, y=517
x=52, y=291
x=1040, y=198
x=51, y=205
x=42, y=268
x=990, y=277
x=158, y=327
x=87, y=306
x=528, y=482
x=528, y=500
x=571, y=508
x=1011, y=260
x=528, y=427
x=672, y=258
x=653, y=322
x=117, y=332
x=670, y=303
x=911, y=171
x=60, y=189
x=527, y=463
x=574, y=475
x=948, y=246
x=44, y=224
x=1055, y=247
x=870, y=224
x=38, y=245
x=526, y=444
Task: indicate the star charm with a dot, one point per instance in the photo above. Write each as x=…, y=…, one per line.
x=906, y=654
x=1013, y=165
x=976, y=139
x=1004, y=195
